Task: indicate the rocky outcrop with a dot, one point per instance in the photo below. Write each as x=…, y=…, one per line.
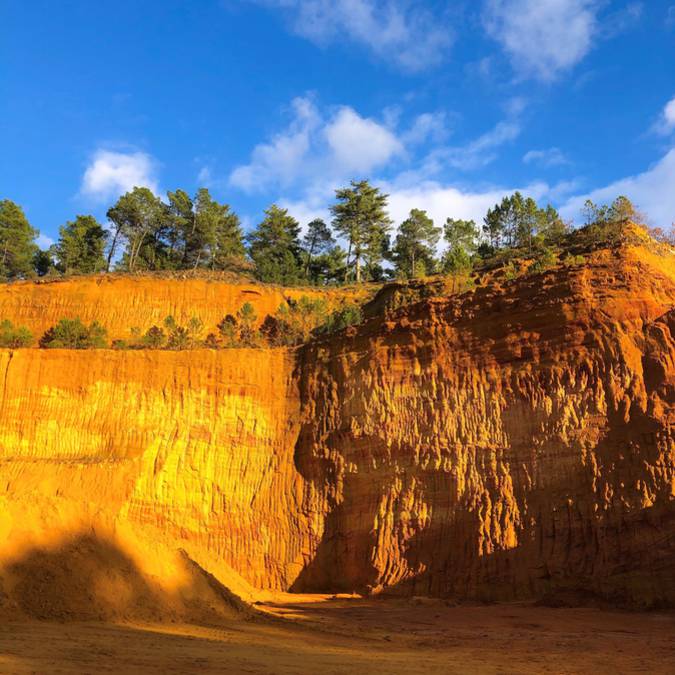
x=511, y=442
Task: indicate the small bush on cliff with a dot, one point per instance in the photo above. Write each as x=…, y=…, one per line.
x=546, y=259
x=13, y=336
x=348, y=315
x=179, y=337
x=73, y=334
x=246, y=320
x=154, y=338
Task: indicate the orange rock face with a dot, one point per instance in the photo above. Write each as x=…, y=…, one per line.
x=121, y=303
x=512, y=442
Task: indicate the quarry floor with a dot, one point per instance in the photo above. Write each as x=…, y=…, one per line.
x=353, y=635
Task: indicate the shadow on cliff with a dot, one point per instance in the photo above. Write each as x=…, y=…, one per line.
x=90, y=578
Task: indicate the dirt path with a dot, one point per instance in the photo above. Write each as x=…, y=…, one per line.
x=356, y=636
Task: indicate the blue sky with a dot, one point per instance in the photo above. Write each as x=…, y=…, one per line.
x=446, y=105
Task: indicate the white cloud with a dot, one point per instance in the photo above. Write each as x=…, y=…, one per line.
x=111, y=174
x=438, y=200
x=542, y=37
x=666, y=122
x=670, y=17
x=332, y=147
x=427, y=126
x=403, y=32
x=360, y=144
x=320, y=148
x=472, y=155
x=546, y=158
x=43, y=241
x=651, y=191
x=443, y=201
x=282, y=158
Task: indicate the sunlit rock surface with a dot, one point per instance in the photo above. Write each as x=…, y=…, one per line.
x=512, y=442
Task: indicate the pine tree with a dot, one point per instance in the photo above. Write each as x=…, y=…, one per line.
x=81, y=246
x=17, y=242
x=415, y=246
x=317, y=241
x=274, y=247
x=143, y=221
x=361, y=217
x=461, y=236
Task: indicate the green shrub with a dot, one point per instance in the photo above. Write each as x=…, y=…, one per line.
x=510, y=271
x=179, y=338
x=348, y=315
x=574, y=260
x=297, y=319
x=73, y=334
x=246, y=319
x=14, y=337
x=228, y=334
x=545, y=259
x=154, y=338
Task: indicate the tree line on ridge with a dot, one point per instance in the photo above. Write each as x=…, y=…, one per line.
x=184, y=232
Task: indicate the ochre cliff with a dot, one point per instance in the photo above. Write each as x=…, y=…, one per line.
x=123, y=302
x=511, y=442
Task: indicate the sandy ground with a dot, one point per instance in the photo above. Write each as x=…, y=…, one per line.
x=310, y=635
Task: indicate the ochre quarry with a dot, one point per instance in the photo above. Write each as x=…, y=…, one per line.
x=124, y=302
x=512, y=442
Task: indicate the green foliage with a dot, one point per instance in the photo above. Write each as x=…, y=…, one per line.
x=186, y=233
x=141, y=219
x=228, y=334
x=329, y=267
x=360, y=215
x=177, y=337
x=297, y=320
x=518, y=222
x=456, y=260
x=574, y=260
x=274, y=247
x=546, y=259
x=81, y=246
x=415, y=245
x=606, y=224
x=246, y=320
x=317, y=244
x=73, y=334
x=348, y=315
x=154, y=338
x=511, y=272
x=217, y=241
x=14, y=337
x=462, y=237
x=43, y=263
x=17, y=242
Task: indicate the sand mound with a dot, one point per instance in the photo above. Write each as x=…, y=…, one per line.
x=88, y=578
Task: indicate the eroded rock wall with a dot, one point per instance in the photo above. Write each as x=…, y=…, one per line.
x=516, y=442
x=191, y=449
x=513, y=442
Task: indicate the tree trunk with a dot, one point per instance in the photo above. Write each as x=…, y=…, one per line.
x=349, y=253
x=113, y=245
x=309, y=258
